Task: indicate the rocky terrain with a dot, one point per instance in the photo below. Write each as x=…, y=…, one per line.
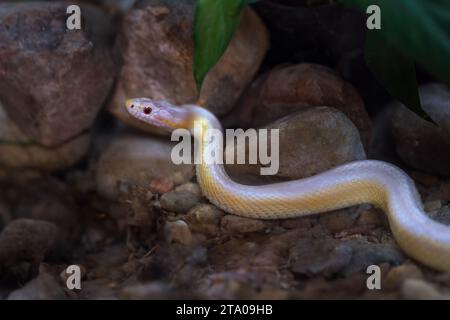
x=84, y=183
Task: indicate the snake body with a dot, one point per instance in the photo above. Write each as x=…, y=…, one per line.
x=375, y=182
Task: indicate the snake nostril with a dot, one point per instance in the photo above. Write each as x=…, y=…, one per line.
x=132, y=106
x=147, y=110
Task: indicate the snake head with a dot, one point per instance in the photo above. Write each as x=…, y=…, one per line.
x=157, y=113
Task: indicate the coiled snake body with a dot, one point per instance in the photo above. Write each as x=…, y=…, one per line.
x=374, y=182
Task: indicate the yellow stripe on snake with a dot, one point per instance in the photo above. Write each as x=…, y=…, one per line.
x=374, y=182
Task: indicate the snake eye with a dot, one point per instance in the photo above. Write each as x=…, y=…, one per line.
x=147, y=110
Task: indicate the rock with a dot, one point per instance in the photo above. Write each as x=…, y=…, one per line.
x=137, y=160
x=372, y=217
x=293, y=88
x=182, y=198
x=366, y=254
x=399, y=274
x=179, y=232
x=432, y=206
x=311, y=141
x=157, y=48
x=312, y=257
x=421, y=144
x=338, y=221
x=53, y=81
x=442, y=215
x=205, y=219
x=418, y=289
x=239, y=225
x=18, y=152
x=24, y=243
x=44, y=287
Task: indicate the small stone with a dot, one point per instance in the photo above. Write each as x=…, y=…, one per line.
x=161, y=185
x=431, y=206
x=239, y=225
x=179, y=232
x=366, y=254
x=371, y=216
x=311, y=257
x=399, y=274
x=418, y=289
x=337, y=221
x=205, y=219
x=133, y=159
x=182, y=198
x=311, y=141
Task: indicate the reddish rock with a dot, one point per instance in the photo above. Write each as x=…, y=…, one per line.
x=288, y=89
x=157, y=50
x=53, y=81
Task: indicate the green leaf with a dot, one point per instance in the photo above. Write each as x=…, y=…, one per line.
x=215, y=24
x=415, y=31
x=396, y=72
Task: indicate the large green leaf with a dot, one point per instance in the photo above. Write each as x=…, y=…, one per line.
x=215, y=24
x=414, y=31
x=396, y=72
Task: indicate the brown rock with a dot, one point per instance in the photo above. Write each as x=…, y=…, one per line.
x=239, y=225
x=157, y=49
x=337, y=221
x=311, y=141
x=53, y=81
x=205, y=218
x=17, y=152
x=179, y=232
x=134, y=159
x=421, y=144
x=182, y=198
x=399, y=274
x=288, y=89
x=24, y=243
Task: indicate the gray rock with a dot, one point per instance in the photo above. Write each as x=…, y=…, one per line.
x=18, y=152
x=419, y=143
x=312, y=257
x=182, y=198
x=53, y=82
x=311, y=141
x=157, y=48
x=179, y=232
x=44, y=287
x=133, y=159
x=205, y=219
x=366, y=254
